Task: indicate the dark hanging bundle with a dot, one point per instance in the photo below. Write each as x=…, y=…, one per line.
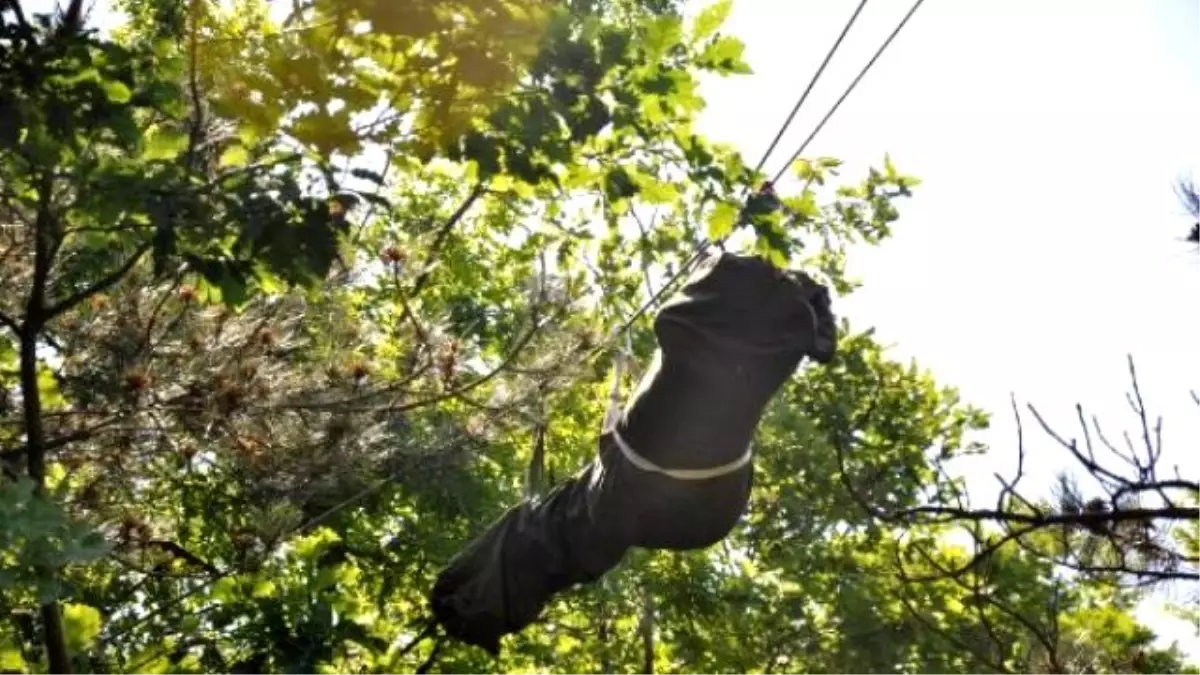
x=674, y=473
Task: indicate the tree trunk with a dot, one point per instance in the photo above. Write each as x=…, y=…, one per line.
x=647, y=631
x=35, y=451
x=47, y=233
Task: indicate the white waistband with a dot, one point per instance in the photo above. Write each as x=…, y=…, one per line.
x=680, y=474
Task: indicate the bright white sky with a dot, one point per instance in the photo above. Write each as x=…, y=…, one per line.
x=1044, y=243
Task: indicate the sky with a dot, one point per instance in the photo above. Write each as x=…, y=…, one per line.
x=1044, y=244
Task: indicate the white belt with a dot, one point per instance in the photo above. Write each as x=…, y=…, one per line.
x=680, y=474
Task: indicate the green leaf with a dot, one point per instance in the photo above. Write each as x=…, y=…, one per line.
x=91, y=546
x=618, y=184
x=710, y=19
x=225, y=589
x=82, y=624
x=263, y=588
x=484, y=151
x=249, y=135
x=725, y=56
x=327, y=133
x=654, y=191
x=52, y=398
x=126, y=129
x=234, y=156
x=235, y=292
x=721, y=221
x=662, y=33
x=189, y=623
x=267, y=282
x=349, y=630
x=116, y=91
x=164, y=144
x=313, y=545
x=11, y=659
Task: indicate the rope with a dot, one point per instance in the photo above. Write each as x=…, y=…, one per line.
x=811, y=83
x=861, y=74
x=709, y=473
x=699, y=250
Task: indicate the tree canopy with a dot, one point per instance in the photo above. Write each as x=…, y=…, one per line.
x=295, y=300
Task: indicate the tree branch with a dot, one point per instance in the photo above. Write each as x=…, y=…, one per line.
x=8, y=454
x=997, y=666
x=439, y=240
x=1124, y=520
x=1085, y=519
x=72, y=18
x=19, y=13
x=108, y=281
x=10, y=323
x=183, y=554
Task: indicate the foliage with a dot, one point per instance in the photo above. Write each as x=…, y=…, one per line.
x=286, y=301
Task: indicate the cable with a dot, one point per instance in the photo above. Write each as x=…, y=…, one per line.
x=811, y=83
x=699, y=250
x=861, y=73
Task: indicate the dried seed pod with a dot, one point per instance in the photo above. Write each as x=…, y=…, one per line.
x=137, y=380
x=447, y=360
x=393, y=255
x=229, y=397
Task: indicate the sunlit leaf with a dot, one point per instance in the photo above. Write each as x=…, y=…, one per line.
x=11, y=659
x=117, y=92
x=82, y=624
x=725, y=55
x=722, y=220
x=164, y=144
x=711, y=18
x=234, y=156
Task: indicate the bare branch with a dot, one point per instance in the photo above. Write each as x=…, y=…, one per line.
x=1090, y=465
x=19, y=13
x=71, y=20
x=183, y=554
x=439, y=240
x=9, y=454
x=106, y=282
x=1119, y=536
x=949, y=514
